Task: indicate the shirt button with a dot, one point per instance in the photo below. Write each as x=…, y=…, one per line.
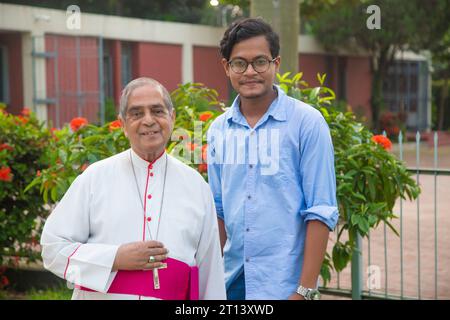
x=252, y=133
x=247, y=259
x=251, y=166
x=151, y=174
x=248, y=229
x=149, y=219
x=149, y=196
x=249, y=197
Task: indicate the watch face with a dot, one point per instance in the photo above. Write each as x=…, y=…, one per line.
x=314, y=294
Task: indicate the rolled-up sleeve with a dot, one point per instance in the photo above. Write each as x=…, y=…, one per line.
x=318, y=173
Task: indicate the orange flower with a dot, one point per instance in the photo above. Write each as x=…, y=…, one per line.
x=202, y=168
x=205, y=152
x=77, y=123
x=52, y=131
x=38, y=173
x=26, y=112
x=116, y=124
x=5, y=146
x=23, y=119
x=382, y=141
x=5, y=174
x=205, y=116
x=191, y=146
x=84, y=167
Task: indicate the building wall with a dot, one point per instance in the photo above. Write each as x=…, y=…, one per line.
x=159, y=61
x=359, y=85
x=209, y=70
x=170, y=52
x=13, y=42
x=76, y=82
x=310, y=65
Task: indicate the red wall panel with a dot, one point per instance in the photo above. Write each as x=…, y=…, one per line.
x=161, y=62
x=13, y=43
x=359, y=84
x=310, y=65
x=209, y=71
x=76, y=82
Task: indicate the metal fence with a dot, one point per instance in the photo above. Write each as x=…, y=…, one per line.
x=416, y=264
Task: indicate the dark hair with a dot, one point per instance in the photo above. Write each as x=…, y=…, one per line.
x=245, y=29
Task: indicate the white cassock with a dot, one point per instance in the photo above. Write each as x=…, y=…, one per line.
x=102, y=210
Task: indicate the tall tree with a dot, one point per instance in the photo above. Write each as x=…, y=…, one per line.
x=284, y=16
x=404, y=24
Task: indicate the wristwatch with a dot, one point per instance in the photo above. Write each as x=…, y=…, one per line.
x=308, y=293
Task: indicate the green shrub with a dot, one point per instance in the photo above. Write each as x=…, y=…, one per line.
x=23, y=142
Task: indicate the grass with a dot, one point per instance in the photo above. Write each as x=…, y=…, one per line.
x=62, y=293
x=59, y=293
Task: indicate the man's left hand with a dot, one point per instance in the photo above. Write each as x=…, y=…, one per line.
x=296, y=296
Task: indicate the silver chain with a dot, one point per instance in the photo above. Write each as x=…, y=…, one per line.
x=142, y=201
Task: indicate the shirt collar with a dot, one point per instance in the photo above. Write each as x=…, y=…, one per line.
x=277, y=109
x=144, y=164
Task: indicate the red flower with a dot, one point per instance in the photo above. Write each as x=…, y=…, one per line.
x=202, y=167
x=382, y=141
x=26, y=112
x=205, y=152
x=77, y=123
x=115, y=125
x=4, y=282
x=191, y=146
x=23, y=119
x=38, y=173
x=205, y=116
x=52, y=131
x=5, y=174
x=84, y=166
x=5, y=146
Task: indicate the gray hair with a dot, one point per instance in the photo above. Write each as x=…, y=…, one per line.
x=140, y=82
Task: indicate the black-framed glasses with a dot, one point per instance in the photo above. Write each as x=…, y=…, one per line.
x=260, y=64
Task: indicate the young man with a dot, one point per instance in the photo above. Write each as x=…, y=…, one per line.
x=271, y=170
x=140, y=224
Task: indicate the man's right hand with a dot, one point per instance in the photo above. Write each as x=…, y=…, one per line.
x=135, y=255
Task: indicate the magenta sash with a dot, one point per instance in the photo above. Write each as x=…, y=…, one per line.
x=178, y=281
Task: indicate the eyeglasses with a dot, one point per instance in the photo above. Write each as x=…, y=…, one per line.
x=260, y=64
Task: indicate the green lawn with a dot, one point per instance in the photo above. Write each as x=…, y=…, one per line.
x=62, y=293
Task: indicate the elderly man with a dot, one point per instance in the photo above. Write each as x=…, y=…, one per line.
x=140, y=224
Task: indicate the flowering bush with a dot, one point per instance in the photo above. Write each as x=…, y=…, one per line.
x=23, y=141
x=369, y=178
x=73, y=149
x=197, y=106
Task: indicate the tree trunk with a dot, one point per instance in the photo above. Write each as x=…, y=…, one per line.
x=284, y=16
x=380, y=65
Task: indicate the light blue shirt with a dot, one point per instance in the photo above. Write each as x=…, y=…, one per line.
x=267, y=182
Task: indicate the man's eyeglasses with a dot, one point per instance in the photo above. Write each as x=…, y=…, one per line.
x=260, y=64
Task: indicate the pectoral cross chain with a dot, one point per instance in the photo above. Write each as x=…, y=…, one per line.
x=156, y=276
